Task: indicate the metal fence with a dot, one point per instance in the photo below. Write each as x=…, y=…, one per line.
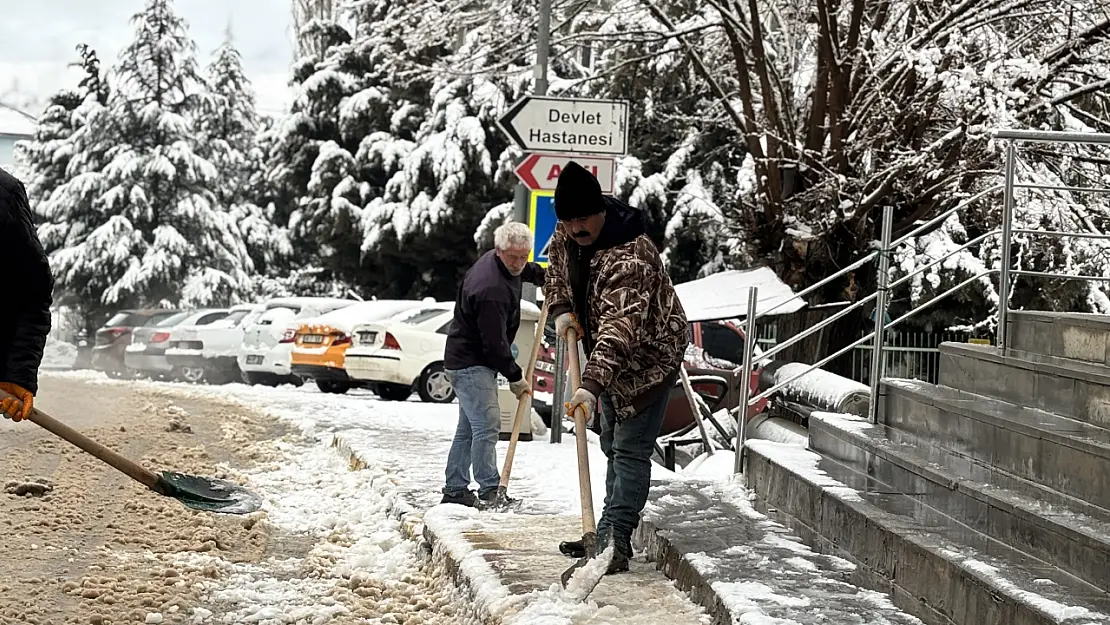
x=913, y=355
x=766, y=335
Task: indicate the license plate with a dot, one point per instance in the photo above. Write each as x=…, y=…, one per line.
x=546, y=367
x=367, y=338
x=254, y=360
x=313, y=338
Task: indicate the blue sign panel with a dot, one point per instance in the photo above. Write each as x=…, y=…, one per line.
x=541, y=218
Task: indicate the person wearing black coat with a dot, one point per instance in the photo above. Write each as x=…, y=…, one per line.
x=25, y=303
x=479, y=347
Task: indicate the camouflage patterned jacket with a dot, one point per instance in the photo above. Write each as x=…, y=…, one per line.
x=635, y=328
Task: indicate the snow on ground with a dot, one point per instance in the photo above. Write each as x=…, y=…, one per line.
x=58, y=354
x=310, y=491
x=361, y=566
x=362, y=562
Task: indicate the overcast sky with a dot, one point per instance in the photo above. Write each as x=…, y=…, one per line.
x=38, y=39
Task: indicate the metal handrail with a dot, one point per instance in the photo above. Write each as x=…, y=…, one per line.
x=817, y=365
x=1062, y=188
x=1062, y=276
x=1078, y=235
x=873, y=255
x=945, y=215
x=923, y=268
x=1052, y=136
x=824, y=281
x=871, y=335
x=811, y=330
x=975, y=278
x=829, y=320
x=1005, y=271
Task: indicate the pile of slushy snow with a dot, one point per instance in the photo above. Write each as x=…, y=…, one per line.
x=361, y=565
x=58, y=354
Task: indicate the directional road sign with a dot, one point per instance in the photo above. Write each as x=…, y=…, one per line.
x=541, y=218
x=544, y=124
x=541, y=171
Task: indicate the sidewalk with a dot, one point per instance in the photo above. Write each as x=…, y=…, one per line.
x=735, y=564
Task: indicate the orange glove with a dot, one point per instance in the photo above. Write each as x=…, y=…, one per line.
x=19, y=407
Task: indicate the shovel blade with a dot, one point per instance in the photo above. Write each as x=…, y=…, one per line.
x=502, y=502
x=584, y=575
x=208, y=494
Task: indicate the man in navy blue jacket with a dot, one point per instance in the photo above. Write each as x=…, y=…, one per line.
x=479, y=346
x=25, y=303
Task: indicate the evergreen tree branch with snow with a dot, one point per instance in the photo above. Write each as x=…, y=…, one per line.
x=138, y=222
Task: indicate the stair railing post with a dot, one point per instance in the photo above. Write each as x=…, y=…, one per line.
x=746, y=381
x=877, y=356
x=1007, y=227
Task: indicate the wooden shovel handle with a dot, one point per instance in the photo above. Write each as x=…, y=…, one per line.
x=525, y=402
x=580, y=417
x=134, y=471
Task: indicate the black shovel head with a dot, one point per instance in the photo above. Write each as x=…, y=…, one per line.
x=502, y=502
x=585, y=574
x=208, y=494
x=589, y=541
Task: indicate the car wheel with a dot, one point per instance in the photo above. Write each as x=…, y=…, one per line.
x=192, y=375
x=394, y=392
x=434, y=385
x=328, y=386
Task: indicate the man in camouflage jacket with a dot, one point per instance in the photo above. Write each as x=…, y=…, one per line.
x=607, y=281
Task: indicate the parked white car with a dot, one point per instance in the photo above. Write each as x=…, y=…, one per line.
x=208, y=353
x=146, y=355
x=321, y=342
x=403, y=353
x=268, y=342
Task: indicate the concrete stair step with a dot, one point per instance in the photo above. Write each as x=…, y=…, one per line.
x=935, y=567
x=1066, y=455
x=1019, y=513
x=1078, y=336
x=746, y=569
x=1069, y=388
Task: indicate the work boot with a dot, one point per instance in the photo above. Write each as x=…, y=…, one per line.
x=622, y=551
x=465, y=498
x=572, y=548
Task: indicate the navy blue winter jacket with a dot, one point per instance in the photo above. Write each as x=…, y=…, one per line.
x=25, y=288
x=487, y=316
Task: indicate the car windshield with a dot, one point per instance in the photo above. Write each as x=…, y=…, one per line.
x=231, y=320
x=413, y=318
x=722, y=342
x=124, y=319
x=277, y=313
x=172, y=320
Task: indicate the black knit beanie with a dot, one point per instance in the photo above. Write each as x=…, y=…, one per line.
x=577, y=194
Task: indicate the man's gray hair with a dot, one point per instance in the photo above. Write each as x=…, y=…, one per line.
x=512, y=234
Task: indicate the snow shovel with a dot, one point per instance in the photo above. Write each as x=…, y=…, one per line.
x=523, y=407
x=199, y=493
x=580, y=579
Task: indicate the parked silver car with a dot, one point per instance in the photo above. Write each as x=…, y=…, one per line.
x=146, y=355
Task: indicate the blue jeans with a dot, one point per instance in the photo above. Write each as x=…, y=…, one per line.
x=628, y=446
x=476, y=436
